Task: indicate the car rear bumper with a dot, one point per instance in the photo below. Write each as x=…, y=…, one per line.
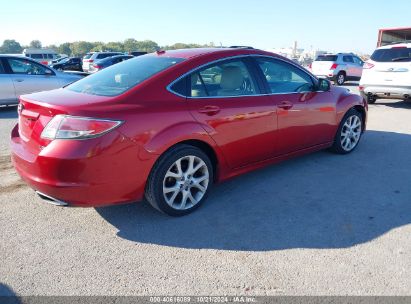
x=76, y=173
x=386, y=91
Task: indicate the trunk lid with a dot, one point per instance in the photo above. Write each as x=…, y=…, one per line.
x=391, y=73
x=36, y=110
x=321, y=68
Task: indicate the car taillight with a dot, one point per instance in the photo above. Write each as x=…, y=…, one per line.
x=361, y=88
x=97, y=66
x=73, y=127
x=368, y=65
x=88, y=60
x=334, y=66
x=310, y=66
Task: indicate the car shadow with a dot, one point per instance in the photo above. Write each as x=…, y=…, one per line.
x=322, y=200
x=399, y=104
x=8, y=112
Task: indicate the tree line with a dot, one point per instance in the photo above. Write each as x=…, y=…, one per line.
x=80, y=48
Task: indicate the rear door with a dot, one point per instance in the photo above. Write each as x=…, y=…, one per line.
x=7, y=92
x=305, y=117
x=225, y=98
x=29, y=77
x=351, y=67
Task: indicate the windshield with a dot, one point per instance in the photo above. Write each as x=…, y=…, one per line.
x=391, y=55
x=121, y=77
x=326, y=58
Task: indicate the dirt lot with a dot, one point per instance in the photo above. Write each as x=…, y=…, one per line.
x=322, y=224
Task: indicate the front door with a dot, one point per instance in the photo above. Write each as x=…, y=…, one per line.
x=226, y=100
x=304, y=118
x=29, y=77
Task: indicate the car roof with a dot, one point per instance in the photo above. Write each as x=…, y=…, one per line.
x=197, y=52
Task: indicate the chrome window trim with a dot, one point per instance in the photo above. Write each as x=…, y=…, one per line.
x=239, y=96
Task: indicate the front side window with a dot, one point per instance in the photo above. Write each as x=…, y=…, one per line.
x=1, y=68
x=230, y=78
x=22, y=66
x=283, y=77
x=123, y=76
x=36, y=56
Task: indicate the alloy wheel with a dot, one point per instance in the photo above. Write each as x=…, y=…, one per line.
x=185, y=182
x=351, y=133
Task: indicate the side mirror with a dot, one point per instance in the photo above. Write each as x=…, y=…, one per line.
x=324, y=85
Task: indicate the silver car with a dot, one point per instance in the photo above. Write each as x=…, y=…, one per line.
x=21, y=75
x=338, y=67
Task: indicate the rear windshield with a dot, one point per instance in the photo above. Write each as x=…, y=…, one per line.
x=87, y=56
x=392, y=55
x=36, y=56
x=121, y=77
x=327, y=58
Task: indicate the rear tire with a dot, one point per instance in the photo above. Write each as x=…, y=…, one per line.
x=349, y=133
x=340, y=78
x=371, y=99
x=180, y=180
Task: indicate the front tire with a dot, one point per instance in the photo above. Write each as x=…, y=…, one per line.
x=349, y=133
x=180, y=180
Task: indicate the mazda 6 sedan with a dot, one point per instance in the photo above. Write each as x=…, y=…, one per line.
x=166, y=126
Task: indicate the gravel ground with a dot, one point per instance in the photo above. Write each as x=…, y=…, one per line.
x=322, y=224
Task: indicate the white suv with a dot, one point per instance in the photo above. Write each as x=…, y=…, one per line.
x=388, y=73
x=338, y=67
x=89, y=58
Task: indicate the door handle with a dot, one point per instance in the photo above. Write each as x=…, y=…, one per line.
x=19, y=80
x=285, y=105
x=209, y=110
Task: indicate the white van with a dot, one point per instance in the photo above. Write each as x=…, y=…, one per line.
x=44, y=56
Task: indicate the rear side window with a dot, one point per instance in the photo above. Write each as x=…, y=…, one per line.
x=348, y=59
x=392, y=55
x=327, y=58
x=1, y=68
x=121, y=77
x=229, y=79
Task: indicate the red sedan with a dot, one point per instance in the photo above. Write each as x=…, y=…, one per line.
x=167, y=125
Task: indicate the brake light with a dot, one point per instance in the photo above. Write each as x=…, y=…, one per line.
x=72, y=127
x=97, y=66
x=88, y=60
x=399, y=47
x=368, y=66
x=334, y=66
x=361, y=88
x=310, y=66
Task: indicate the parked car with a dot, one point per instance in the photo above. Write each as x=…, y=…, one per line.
x=156, y=127
x=59, y=58
x=387, y=74
x=69, y=64
x=137, y=53
x=338, y=67
x=109, y=61
x=20, y=75
x=90, y=58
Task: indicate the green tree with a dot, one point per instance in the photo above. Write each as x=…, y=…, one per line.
x=64, y=48
x=36, y=44
x=11, y=47
x=147, y=46
x=114, y=47
x=80, y=48
x=130, y=45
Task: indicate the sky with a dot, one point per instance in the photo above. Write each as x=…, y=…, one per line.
x=344, y=25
